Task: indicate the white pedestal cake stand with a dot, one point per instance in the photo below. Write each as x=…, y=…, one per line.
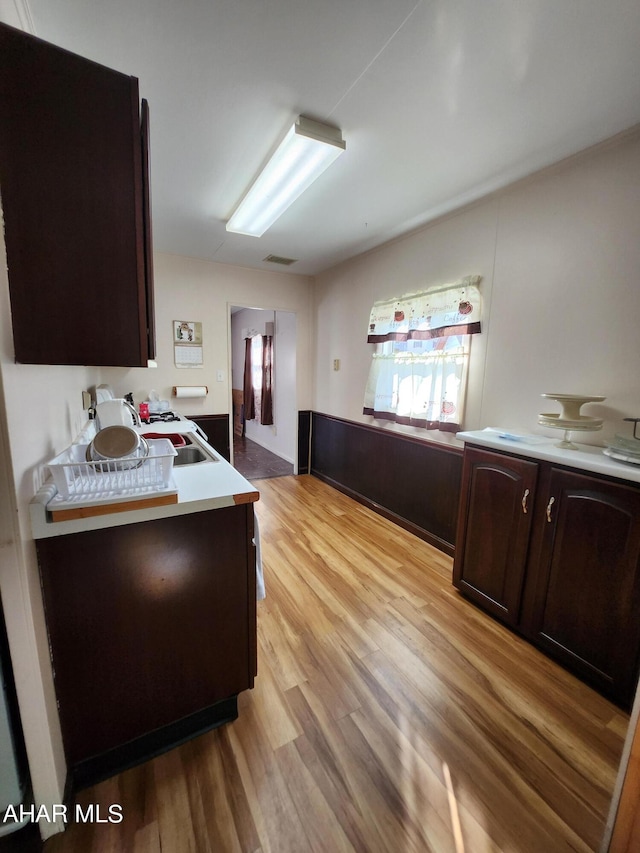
x=570, y=420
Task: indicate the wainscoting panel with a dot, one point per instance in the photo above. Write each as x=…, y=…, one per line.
x=304, y=439
x=412, y=482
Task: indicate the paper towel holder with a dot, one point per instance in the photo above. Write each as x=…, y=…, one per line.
x=190, y=390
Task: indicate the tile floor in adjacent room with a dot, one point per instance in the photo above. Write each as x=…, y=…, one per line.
x=255, y=462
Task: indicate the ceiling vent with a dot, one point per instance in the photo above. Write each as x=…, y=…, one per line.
x=276, y=259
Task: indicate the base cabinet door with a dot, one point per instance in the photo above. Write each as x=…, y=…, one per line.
x=584, y=590
x=493, y=532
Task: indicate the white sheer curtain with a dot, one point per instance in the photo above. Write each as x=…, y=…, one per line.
x=255, y=350
x=422, y=387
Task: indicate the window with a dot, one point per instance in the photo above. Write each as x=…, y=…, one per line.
x=256, y=367
x=419, y=368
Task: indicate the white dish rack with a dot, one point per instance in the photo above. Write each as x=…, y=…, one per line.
x=74, y=477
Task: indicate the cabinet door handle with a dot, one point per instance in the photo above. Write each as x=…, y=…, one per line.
x=524, y=501
x=549, y=505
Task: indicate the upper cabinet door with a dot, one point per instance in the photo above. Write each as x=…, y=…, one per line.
x=77, y=229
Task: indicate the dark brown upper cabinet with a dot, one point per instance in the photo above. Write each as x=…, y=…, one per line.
x=75, y=198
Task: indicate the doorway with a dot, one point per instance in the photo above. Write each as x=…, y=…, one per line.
x=263, y=450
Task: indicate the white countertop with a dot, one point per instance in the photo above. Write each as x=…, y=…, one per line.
x=201, y=486
x=586, y=458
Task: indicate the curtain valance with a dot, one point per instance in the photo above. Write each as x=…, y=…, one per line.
x=453, y=309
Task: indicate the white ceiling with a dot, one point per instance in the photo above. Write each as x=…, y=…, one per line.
x=439, y=101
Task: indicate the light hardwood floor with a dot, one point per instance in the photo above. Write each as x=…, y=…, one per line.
x=388, y=715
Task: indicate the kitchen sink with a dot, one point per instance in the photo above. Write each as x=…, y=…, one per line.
x=191, y=455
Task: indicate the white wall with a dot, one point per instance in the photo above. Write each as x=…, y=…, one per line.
x=345, y=294
x=560, y=260
x=192, y=289
x=285, y=373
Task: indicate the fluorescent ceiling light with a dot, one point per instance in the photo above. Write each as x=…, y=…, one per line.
x=302, y=156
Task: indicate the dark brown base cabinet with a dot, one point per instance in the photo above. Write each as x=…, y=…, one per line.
x=555, y=554
x=216, y=428
x=152, y=630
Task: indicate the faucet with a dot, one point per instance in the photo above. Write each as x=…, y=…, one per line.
x=128, y=401
x=134, y=414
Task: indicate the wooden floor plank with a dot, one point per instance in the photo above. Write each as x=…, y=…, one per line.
x=178, y=828
x=273, y=812
x=389, y=714
x=313, y=809
x=529, y=737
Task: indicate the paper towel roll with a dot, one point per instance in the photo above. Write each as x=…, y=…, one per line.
x=190, y=390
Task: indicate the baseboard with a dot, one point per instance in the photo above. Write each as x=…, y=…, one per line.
x=438, y=543
x=101, y=767
x=24, y=840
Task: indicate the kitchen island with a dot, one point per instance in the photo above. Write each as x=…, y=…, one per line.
x=151, y=616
